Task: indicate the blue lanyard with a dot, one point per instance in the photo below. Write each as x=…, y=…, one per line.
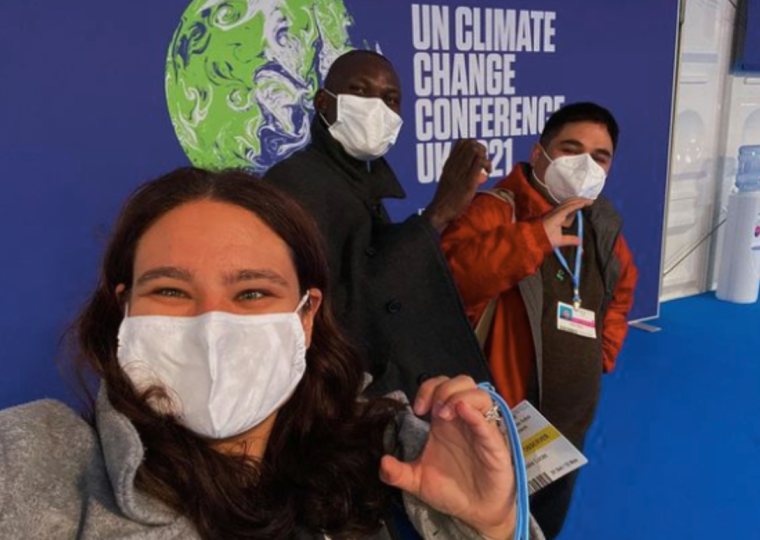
x=522, y=527
x=578, y=256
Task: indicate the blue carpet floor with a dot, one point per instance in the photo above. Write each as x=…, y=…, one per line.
x=675, y=449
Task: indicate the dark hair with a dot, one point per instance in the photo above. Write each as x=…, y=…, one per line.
x=580, y=112
x=342, y=63
x=320, y=469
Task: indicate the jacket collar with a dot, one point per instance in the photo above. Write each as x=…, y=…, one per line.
x=529, y=203
x=123, y=453
x=373, y=180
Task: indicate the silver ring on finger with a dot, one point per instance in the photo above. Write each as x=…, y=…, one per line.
x=493, y=414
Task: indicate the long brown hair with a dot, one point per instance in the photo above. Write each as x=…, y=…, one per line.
x=320, y=469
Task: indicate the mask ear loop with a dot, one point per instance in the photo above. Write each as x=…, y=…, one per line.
x=322, y=116
x=546, y=186
x=545, y=154
x=303, y=302
x=541, y=183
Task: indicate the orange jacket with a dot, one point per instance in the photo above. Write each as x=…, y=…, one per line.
x=491, y=256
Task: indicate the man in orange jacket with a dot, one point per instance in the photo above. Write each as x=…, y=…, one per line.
x=549, y=258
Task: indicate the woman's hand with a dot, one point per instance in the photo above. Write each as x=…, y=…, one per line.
x=465, y=469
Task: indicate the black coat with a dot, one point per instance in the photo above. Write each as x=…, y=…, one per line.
x=390, y=284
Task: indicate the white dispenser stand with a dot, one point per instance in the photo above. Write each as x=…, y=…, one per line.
x=739, y=275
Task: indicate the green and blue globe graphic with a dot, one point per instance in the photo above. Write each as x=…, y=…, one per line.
x=241, y=76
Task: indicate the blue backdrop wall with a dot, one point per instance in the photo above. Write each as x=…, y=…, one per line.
x=84, y=120
x=748, y=34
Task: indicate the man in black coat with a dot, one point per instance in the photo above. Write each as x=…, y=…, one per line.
x=391, y=286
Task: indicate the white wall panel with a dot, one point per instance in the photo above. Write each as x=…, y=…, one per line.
x=706, y=37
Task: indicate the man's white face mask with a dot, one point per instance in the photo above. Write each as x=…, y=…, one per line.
x=365, y=127
x=224, y=373
x=572, y=176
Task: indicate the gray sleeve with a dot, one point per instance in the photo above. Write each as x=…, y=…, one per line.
x=411, y=435
x=3, y=467
x=432, y=524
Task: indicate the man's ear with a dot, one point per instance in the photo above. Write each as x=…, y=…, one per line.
x=320, y=101
x=535, y=155
x=326, y=105
x=309, y=313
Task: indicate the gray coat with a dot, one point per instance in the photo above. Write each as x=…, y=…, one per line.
x=60, y=478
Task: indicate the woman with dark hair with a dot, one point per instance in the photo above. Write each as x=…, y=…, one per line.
x=229, y=405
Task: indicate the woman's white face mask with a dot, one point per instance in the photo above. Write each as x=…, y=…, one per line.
x=572, y=176
x=225, y=373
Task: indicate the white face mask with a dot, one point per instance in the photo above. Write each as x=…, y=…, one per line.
x=365, y=127
x=572, y=176
x=225, y=373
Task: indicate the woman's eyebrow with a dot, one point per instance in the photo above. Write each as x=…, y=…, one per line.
x=171, y=272
x=249, y=274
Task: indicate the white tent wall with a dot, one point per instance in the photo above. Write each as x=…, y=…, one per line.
x=741, y=127
x=716, y=113
x=698, y=145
